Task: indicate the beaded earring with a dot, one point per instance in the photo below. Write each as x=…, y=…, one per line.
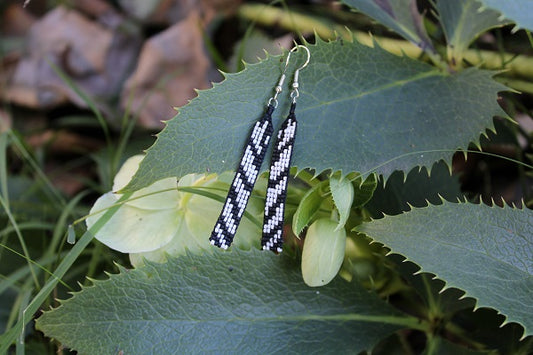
x=248, y=171
x=279, y=172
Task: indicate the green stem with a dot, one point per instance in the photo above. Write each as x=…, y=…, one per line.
x=515, y=65
x=93, y=263
x=24, y=300
x=4, y=191
x=21, y=241
x=432, y=303
x=459, y=333
x=516, y=84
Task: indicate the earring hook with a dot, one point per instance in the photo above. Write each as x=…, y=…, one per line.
x=294, y=49
x=294, y=93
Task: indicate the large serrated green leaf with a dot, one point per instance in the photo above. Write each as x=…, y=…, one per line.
x=417, y=188
x=232, y=302
x=360, y=109
x=485, y=251
x=519, y=11
x=402, y=16
x=463, y=21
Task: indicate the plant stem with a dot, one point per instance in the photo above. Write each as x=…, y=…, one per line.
x=515, y=65
x=520, y=85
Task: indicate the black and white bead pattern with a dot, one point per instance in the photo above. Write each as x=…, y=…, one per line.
x=243, y=182
x=277, y=185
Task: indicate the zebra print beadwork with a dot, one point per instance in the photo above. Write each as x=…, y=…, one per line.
x=277, y=184
x=243, y=182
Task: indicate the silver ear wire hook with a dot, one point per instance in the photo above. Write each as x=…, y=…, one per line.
x=294, y=49
x=294, y=93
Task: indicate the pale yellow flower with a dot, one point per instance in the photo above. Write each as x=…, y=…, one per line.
x=161, y=220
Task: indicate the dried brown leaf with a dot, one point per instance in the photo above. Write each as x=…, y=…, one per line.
x=171, y=65
x=94, y=56
x=95, y=8
x=15, y=21
x=172, y=11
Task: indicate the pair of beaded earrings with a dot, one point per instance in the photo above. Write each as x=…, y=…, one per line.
x=248, y=171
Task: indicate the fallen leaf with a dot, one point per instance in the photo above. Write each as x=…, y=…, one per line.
x=166, y=12
x=94, y=56
x=69, y=181
x=8, y=64
x=64, y=142
x=59, y=146
x=171, y=65
x=95, y=8
x=15, y=21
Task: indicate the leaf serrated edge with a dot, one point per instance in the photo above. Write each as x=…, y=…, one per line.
x=502, y=17
x=318, y=41
x=447, y=285
x=428, y=171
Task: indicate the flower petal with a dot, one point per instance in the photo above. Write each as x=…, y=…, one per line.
x=161, y=194
x=174, y=247
x=200, y=214
x=132, y=229
x=126, y=172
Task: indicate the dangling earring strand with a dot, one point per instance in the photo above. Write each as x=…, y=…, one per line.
x=246, y=175
x=279, y=171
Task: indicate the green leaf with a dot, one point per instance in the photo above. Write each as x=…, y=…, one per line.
x=519, y=11
x=392, y=113
x=323, y=252
x=440, y=301
x=440, y=346
x=364, y=191
x=342, y=192
x=416, y=189
x=308, y=207
x=401, y=16
x=230, y=302
x=463, y=21
x=485, y=251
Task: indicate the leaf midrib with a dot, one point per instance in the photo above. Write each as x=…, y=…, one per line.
x=387, y=86
x=396, y=320
x=459, y=29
